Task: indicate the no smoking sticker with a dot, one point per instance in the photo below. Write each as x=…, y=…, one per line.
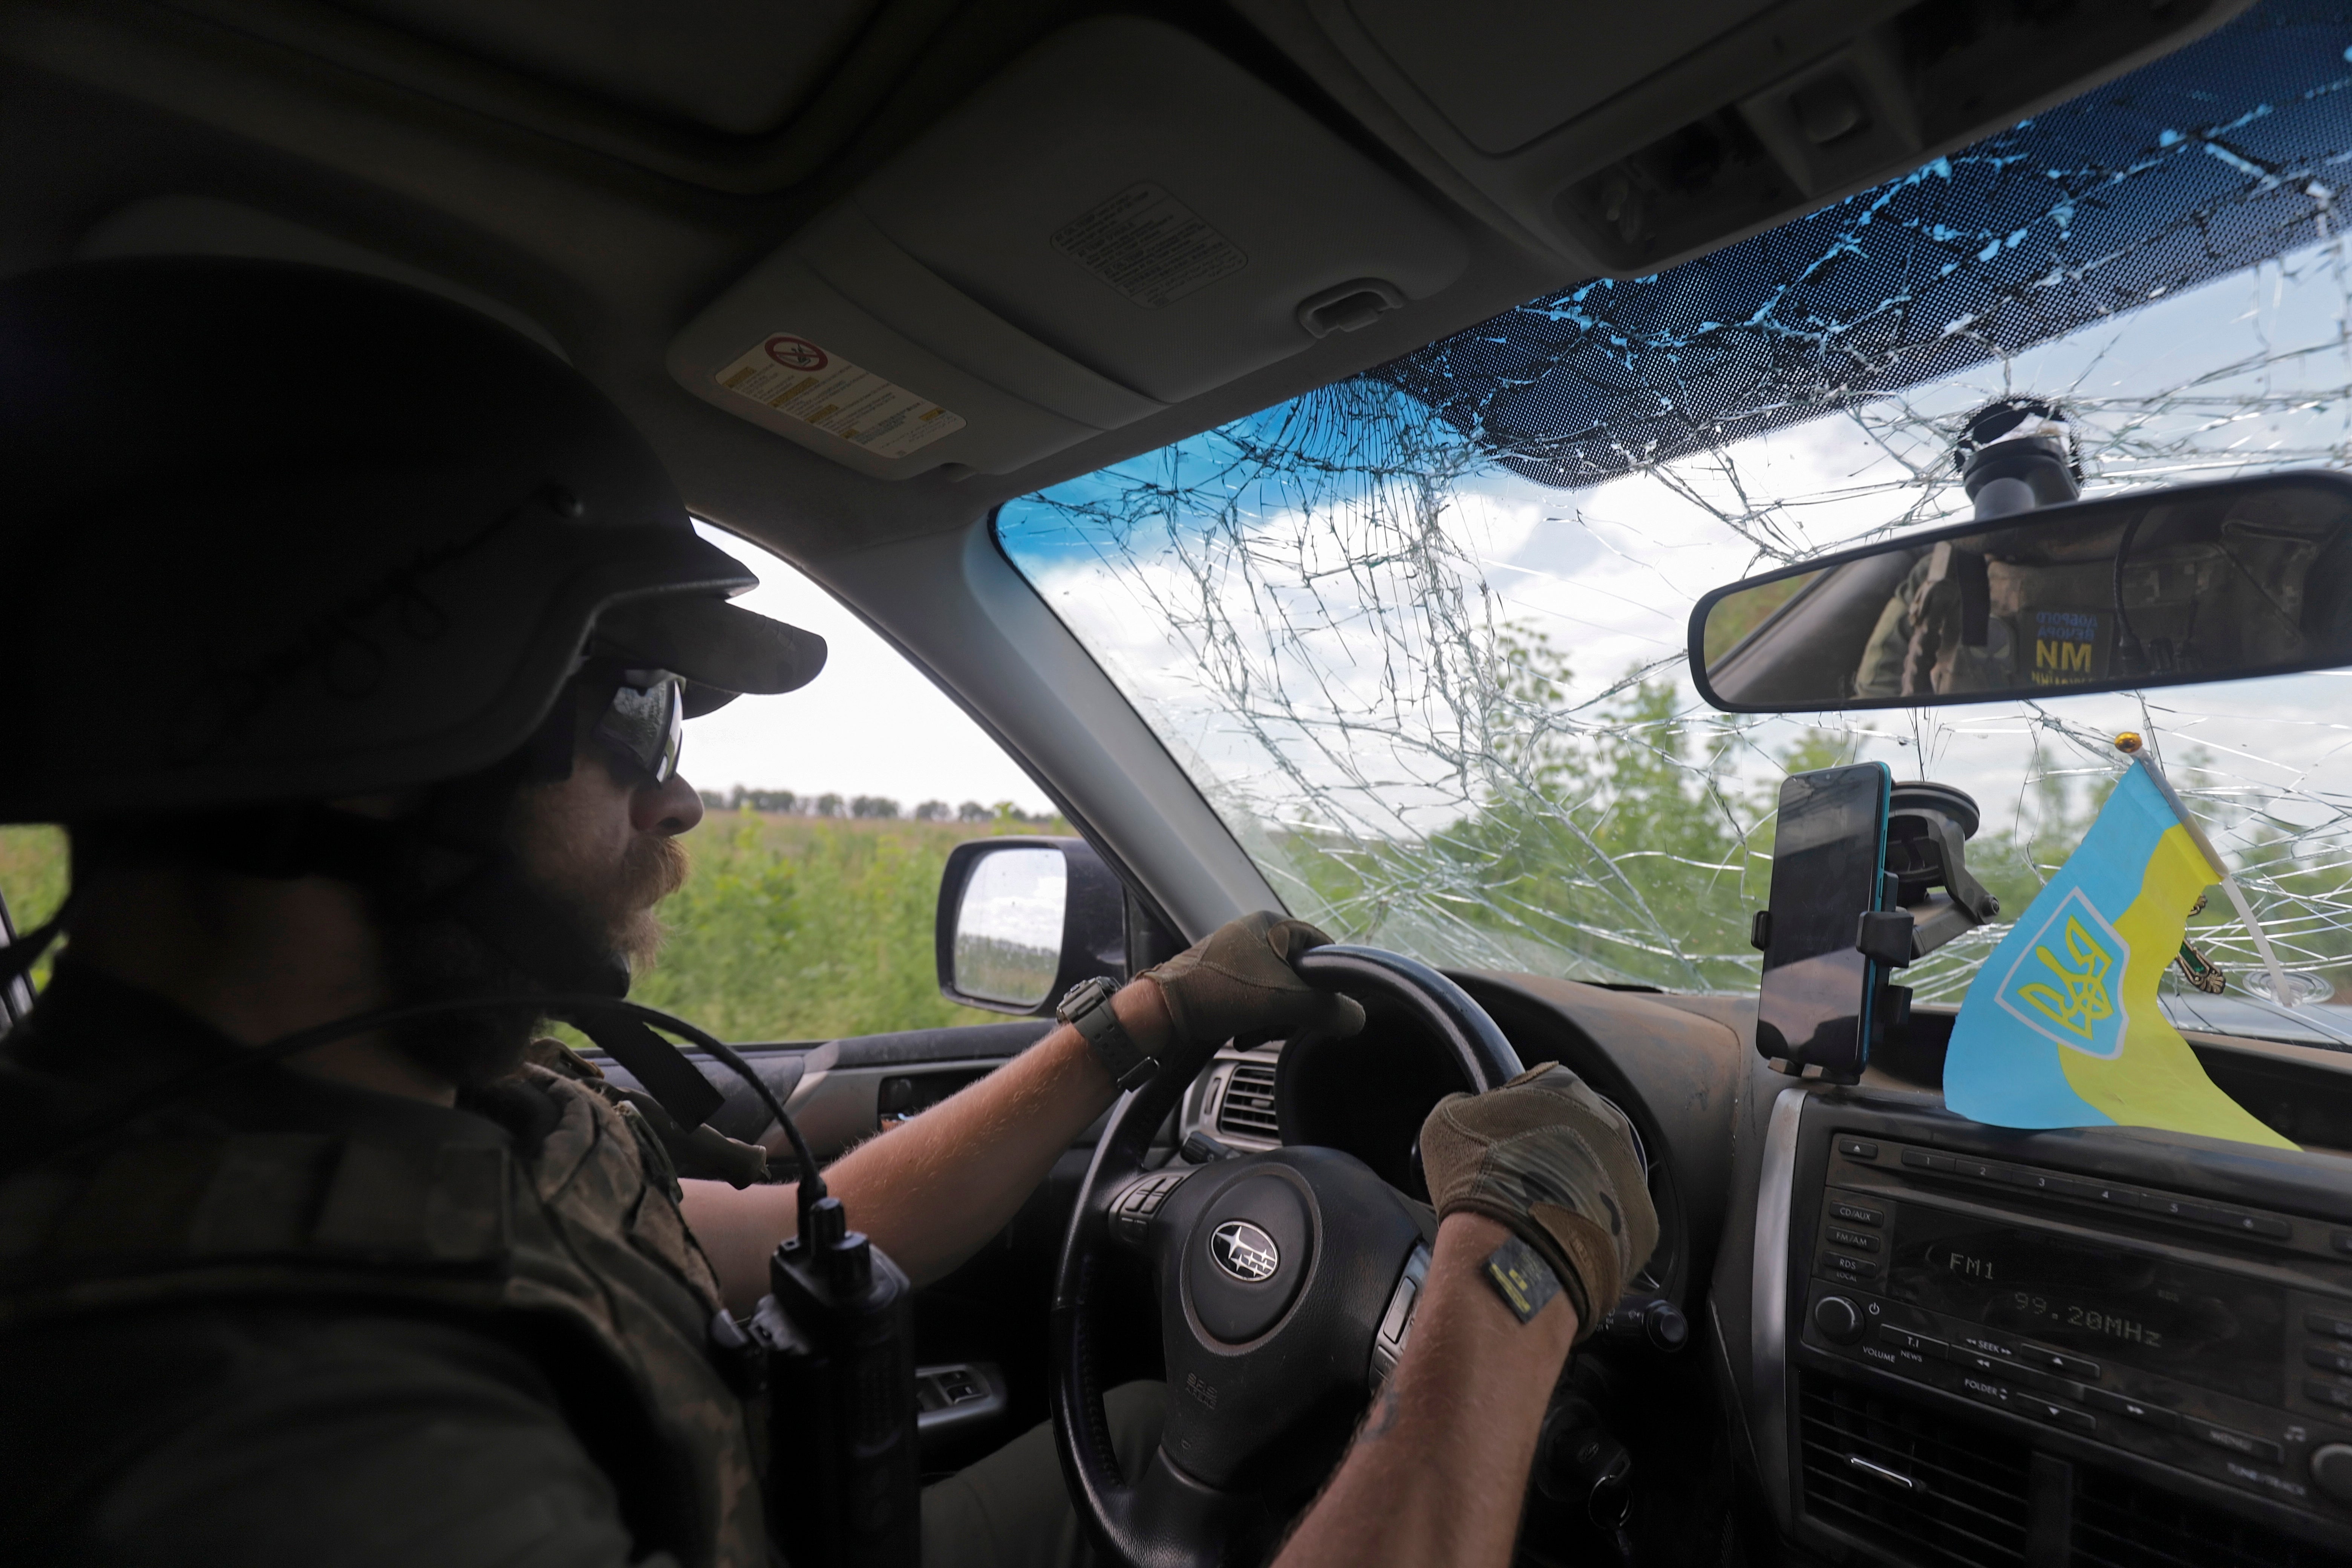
x=796, y=354
x=800, y=381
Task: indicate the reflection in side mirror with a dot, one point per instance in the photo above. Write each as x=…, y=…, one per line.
x=1021, y=920
x=1008, y=930
x=2162, y=587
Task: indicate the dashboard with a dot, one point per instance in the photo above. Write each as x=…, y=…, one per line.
x=1913, y=1340
x=1922, y=1341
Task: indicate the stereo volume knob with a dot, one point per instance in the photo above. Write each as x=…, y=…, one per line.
x=2331, y=1471
x=1839, y=1320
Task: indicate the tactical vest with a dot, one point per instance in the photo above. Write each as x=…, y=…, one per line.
x=580, y=1244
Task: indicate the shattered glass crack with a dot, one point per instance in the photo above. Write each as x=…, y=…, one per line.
x=1419, y=637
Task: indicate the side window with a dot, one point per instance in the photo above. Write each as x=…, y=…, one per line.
x=831, y=813
x=32, y=886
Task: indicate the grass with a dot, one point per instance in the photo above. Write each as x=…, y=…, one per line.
x=791, y=928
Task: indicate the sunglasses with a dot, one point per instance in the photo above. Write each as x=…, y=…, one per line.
x=645, y=722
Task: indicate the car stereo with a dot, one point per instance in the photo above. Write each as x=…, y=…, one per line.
x=2197, y=1345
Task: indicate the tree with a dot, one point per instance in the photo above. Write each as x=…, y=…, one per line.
x=933, y=810
x=828, y=806
x=873, y=805
x=972, y=811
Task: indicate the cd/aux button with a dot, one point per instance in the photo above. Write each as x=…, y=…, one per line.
x=1853, y=1213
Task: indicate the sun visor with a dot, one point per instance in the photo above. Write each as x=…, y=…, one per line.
x=1123, y=220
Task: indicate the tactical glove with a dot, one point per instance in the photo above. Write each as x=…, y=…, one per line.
x=1555, y=1163
x=1238, y=978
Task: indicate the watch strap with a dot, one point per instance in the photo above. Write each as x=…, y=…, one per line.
x=1097, y=1023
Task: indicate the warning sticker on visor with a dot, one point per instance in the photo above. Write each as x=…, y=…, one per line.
x=803, y=382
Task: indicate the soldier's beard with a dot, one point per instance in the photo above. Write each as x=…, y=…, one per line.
x=607, y=907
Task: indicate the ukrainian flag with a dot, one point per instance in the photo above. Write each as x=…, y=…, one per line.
x=2060, y=1028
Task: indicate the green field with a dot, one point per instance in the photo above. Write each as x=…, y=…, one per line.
x=791, y=928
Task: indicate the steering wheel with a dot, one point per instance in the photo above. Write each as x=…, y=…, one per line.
x=1280, y=1278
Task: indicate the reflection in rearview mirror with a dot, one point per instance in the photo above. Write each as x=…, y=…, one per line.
x=1008, y=932
x=2164, y=587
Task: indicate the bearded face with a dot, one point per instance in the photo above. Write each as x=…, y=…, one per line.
x=578, y=851
x=576, y=848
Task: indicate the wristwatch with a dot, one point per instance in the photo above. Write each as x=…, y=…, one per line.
x=1087, y=1008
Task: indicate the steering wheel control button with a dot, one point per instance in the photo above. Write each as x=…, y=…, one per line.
x=1396, y=1324
x=1839, y=1320
x=1400, y=1312
x=1248, y=1257
x=1131, y=1211
x=1857, y=1149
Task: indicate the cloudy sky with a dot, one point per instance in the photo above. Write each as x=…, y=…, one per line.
x=871, y=724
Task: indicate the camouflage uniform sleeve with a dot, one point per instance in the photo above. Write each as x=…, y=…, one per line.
x=270, y=1438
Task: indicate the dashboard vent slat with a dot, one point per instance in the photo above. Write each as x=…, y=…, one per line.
x=1967, y=1506
x=2122, y=1523
x=1248, y=1107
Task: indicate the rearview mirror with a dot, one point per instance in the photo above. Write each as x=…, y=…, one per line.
x=1022, y=919
x=2162, y=587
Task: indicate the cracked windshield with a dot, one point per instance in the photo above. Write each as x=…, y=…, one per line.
x=1420, y=637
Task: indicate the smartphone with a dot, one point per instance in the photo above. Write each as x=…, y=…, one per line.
x=1829, y=861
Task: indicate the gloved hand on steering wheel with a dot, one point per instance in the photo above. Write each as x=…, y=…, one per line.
x=1239, y=978
x=1558, y=1164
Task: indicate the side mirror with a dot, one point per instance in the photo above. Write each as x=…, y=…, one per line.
x=2154, y=587
x=1022, y=919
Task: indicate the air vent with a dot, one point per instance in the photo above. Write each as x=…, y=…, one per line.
x=1932, y=1490
x=2121, y=1524
x=1249, y=1110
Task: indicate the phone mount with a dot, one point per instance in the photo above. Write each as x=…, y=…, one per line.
x=1932, y=898
x=1927, y=829
x=1929, y=898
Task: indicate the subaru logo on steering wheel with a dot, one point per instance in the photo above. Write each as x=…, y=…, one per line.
x=1244, y=1251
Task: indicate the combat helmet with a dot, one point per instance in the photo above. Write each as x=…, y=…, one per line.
x=277, y=533
x=276, y=536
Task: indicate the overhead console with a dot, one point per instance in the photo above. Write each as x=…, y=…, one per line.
x=1121, y=220
x=1631, y=138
